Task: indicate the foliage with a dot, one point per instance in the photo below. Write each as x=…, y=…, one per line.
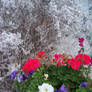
x=57, y=76
x=83, y=89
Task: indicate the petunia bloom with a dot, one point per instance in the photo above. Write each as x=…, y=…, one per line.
x=45, y=88
x=21, y=78
x=62, y=89
x=30, y=73
x=12, y=76
x=84, y=84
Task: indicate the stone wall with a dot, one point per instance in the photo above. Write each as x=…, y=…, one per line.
x=28, y=26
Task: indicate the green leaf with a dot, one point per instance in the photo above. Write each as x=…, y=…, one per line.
x=81, y=89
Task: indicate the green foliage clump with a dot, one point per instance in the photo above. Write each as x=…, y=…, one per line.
x=83, y=89
x=56, y=77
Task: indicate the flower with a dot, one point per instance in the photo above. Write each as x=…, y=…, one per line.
x=79, y=51
x=21, y=78
x=46, y=88
x=30, y=73
x=12, y=76
x=30, y=65
x=76, y=62
x=83, y=59
x=81, y=40
x=40, y=54
x=84, y=84
x=46, y=76
x=58, y=58
x=91, y=61
x=62, y=89
x=70, y=61
x=68, y=86
x=76, y=65
x=73, y=63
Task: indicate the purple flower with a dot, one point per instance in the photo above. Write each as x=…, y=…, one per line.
x=84, y=84
x=21, y=78
x=12, y=76
x=56, y=90
x=62, y=89
x=24, y=77
x=30, y=73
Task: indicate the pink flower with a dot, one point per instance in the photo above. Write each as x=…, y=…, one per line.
x=81, y=40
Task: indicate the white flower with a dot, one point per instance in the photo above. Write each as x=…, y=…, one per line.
x=46, y=88
x=46, y=76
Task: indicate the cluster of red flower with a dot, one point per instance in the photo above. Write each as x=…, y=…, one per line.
x=32, y=64
x=59, y=59
x=74, y=63
x=40, y=54
x=78, y=61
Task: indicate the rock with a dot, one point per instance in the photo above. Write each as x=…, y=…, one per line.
x=54, y=26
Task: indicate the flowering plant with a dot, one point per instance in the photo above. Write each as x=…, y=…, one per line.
x=64, y=73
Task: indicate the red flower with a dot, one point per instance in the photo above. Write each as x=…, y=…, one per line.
x=68, y=86
x=73, y=63
x=40, y=54
x=83, y=58
x=76, y=65
x=70, y=61
x=57, y=59
x=58, y=63
x=30, y=65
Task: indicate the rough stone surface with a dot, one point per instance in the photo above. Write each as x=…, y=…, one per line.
x=28, y=26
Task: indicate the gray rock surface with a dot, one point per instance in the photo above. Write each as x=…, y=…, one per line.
x=28, y=26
